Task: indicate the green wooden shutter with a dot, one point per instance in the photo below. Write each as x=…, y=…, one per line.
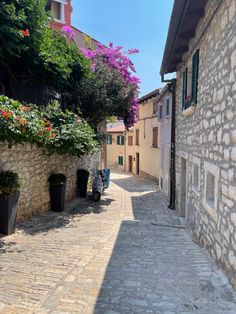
x=122, y=140
x=195, y=70
x=118, y=140
x=109, y=139
x=184, y=88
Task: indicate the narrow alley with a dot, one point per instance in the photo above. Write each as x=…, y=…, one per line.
x=126, y=254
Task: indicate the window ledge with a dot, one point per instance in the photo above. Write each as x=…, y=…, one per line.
x=189, y=111
x=211, y=211
x=60, y=21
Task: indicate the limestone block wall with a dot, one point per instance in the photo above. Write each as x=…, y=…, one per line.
x=34, y=166
x=207, y=138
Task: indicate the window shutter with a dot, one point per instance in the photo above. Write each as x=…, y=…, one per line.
x=184, y=88
x=167, y=107
x=122, y=140
x=109, y=139
x=160, y=112
x=155, y=137
x=195, y=69
x=118, y=140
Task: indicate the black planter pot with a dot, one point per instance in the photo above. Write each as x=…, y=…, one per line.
x=8, y=209
x=82, y=182
x=57, y=195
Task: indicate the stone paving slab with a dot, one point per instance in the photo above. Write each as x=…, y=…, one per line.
x=125, y=254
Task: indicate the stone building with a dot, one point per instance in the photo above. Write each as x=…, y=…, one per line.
x=201, y=48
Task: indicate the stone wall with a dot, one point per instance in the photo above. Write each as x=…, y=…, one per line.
x=206, y=137
x=34, y=166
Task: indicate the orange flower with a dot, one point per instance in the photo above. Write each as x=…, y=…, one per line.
x=52, y=135
x=25, y=33
x=25, y=108
x=7, y=114
x=22, y=121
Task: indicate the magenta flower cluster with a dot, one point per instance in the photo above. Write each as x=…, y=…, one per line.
x=117, y=59
x=67, y=31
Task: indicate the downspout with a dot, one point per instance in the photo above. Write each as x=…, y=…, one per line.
x=125, y=150
x=172, y=89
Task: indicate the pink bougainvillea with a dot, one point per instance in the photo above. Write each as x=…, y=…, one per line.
x=67, y=31
x=117, y=58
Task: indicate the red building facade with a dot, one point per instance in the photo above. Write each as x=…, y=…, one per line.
x=61, y=11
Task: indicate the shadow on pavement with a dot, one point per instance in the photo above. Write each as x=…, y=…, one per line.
x=58, y=220
x=90, y=206
x=154, y=267
x=44, y=223
x=141, y=276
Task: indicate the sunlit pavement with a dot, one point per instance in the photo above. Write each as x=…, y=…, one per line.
x=126, y=254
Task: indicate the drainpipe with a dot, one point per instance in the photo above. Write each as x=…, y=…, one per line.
x=172, y=89
x=125, y=152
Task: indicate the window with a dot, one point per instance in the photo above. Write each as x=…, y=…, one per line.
x=137, y=136
x=154, y=108
x=167, y=107
x=190, y=82
x=58, y=10
x=210, y=189
x=155, y=137
x=120, y=160
x=196, y=174
x=210, y=200
x=130, y=140
x=160, y=112
x=109, y=139
x=120, y=140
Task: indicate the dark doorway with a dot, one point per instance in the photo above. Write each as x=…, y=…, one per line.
x=130, y=163
x=137, y=163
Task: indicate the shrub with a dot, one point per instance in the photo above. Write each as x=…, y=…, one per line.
x=9, y=182
x=57, y=179
x=59, y=132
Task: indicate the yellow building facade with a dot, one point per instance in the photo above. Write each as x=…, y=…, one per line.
x=145, y=149
x=116, y=146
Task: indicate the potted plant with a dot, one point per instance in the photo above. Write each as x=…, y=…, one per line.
x=57, y=188
x=10, y=185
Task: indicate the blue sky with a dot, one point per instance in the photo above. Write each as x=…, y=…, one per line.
x=130, y=23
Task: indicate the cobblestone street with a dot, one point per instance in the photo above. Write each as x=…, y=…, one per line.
x=126, y=254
